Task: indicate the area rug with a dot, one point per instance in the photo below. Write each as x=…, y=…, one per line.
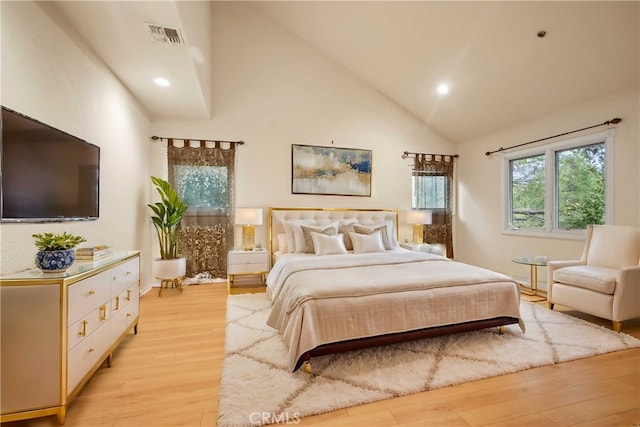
x=257, y=389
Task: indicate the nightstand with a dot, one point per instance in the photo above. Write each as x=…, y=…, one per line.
x=436, y=248
x=247, y=271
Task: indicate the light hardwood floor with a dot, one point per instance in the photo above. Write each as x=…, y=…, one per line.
x=169, y=375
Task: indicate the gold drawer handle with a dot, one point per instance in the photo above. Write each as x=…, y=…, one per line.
x=117, y=303
x=83, y=332
x=128, y=294
x=128, y=314
x=103, y=312
x=92, y=292
x=129, y=273
x=91, y=350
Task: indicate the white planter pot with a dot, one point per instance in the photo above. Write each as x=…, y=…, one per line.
x=169, y=268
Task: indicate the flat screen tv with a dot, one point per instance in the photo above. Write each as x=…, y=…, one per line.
x=46, y=175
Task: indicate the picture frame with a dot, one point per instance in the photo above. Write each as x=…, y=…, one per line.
x=332, y=171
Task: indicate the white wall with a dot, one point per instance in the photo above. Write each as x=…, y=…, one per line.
x=47, y=75
x=272, y=90
x=479, y=238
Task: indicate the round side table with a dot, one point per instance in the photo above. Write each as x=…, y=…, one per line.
x=533, y=263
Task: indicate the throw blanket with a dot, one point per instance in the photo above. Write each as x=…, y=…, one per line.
x=333, y=298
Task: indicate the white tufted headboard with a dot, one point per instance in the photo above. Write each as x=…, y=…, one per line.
x=325, y=216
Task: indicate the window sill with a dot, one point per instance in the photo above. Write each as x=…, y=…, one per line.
x=557, y=234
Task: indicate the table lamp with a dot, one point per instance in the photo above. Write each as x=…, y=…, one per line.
x=418, y=218
x=248, y=218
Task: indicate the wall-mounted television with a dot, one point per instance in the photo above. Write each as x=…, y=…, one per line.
x=46, y=175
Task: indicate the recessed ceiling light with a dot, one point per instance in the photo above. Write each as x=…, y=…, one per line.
x=162, y=82
x=443, y=88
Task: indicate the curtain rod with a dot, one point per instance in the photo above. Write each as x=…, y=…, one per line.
x=155, y=138
x=613, y=121
x=407, y=154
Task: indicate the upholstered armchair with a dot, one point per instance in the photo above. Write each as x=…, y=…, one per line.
x=605, y=282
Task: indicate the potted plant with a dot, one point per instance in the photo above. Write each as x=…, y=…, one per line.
x=167, y=214
x=56, y=252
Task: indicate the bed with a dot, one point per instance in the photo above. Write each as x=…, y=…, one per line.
x=332, y=294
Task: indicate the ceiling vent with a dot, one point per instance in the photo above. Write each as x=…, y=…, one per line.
x=166, y=35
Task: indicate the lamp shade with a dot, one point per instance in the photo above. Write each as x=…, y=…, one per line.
x=248, y=216
x=419, y=217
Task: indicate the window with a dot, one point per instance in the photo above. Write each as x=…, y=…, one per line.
x=560, y=188
x=203, y=175
x=429, y=191
x=203, y=186
x=432, y=189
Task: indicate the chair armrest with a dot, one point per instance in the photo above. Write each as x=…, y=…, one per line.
x=626, y=273
x=626, y=297
x=555, y=265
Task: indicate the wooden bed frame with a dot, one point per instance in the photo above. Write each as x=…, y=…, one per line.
x=276, y=215
x=436, y=331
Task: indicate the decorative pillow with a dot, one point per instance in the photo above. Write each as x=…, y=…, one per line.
x=393, y=235
x=329, y=230
x=365, y=243
x=295, y=239
x=282, y=243
x=345, y=229
x=328, y=245
x=382, y=228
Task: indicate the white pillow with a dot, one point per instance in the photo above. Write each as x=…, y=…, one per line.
x=282, y=243
x=328, y=245
x=288, y=231
x=295, y=239
x=365, y=243
x=393, y=236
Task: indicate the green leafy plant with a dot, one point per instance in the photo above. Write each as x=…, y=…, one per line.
x=167, y=214
x=57, y=241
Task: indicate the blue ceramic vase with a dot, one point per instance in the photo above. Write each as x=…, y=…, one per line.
x=55, y=261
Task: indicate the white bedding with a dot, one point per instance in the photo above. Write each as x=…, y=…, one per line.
x=285, y=263
x=324, y=299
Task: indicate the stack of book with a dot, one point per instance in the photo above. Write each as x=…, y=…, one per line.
x=93, y=253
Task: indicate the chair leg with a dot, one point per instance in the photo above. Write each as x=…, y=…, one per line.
x=617, y=326
x=550, y=305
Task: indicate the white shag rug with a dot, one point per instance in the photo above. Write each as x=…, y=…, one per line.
x=256, y=387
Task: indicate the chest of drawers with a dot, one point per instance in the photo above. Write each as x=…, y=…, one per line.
x=57, y=329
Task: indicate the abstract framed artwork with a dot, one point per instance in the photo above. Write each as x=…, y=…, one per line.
x=330, y=171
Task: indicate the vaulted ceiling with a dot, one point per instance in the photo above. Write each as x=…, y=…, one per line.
x=500, y=72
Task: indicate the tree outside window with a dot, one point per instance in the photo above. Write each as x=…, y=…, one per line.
x=580, y=174
x=559, y=187
x=528, y=192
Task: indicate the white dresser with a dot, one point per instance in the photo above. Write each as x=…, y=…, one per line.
x=58, y=328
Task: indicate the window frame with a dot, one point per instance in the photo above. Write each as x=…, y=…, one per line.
x=550, y=228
